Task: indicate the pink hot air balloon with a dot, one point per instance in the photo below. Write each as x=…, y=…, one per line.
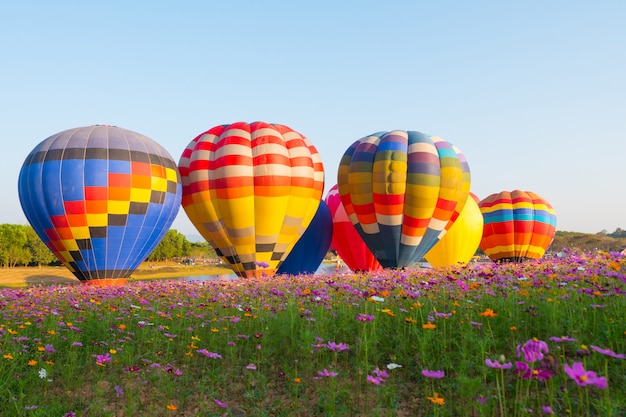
x=346, y=240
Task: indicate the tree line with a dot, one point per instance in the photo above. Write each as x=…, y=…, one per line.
x=20, y=246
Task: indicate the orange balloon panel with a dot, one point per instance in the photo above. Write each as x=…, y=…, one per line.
x=458, y=246
x=251, y=190
x=518, y=225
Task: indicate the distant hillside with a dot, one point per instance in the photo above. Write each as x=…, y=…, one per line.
x=613, y=242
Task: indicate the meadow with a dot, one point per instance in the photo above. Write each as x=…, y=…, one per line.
x=538, y=338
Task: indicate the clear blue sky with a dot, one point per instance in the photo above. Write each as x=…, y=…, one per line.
x=532, y=92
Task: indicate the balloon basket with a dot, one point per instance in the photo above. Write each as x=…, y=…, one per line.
x=106, y=282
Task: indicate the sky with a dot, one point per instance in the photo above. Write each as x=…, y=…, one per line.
x=532, y=92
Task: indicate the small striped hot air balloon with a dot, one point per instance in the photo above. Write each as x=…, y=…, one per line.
x=251, y=190
x=519, y=225
x=101, y=198
x=402, y=191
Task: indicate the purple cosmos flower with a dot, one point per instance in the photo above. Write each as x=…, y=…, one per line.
x=608, y=352
x=251, y=367
x=208, y=354
x=547, y=409
x=583, y=378
x=497, y=365
x=526, y=372
x=219, y=403
x=337, y=347
x=562, y=339
x=327, y=373
x=364, y=317
x=375, y=380
x=433, y=374
x=533, y=350
x=102, y=359
x=118, y=391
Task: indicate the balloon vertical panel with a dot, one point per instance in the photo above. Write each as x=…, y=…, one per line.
x=251, y=190
x=101, y=198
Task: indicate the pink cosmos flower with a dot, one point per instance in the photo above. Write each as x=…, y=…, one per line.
x=608, y=352
x=497, y=365
x=208, y=354
x=433, y=374
x=219, y=403
x=533, y=350
x=582, y=377
x=327, y=373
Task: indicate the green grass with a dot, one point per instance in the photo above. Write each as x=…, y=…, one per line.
x=334, y=345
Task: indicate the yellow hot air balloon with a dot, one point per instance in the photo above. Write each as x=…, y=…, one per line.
x=251, y=190
x=460, y=243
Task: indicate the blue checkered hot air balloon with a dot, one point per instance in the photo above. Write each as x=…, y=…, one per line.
x=101, y=198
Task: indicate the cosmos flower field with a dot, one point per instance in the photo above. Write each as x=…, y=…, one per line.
x=539, y=338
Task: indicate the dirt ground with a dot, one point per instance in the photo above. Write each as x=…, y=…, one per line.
x=26, y=276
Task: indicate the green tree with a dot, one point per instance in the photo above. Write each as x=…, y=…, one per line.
x=202, y=250
x=40, y=253
x=173, y=245
x=13, y=245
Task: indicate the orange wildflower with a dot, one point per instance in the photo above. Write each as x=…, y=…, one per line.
x=172, y=407
x=32, y=362
x=429, y=325
x=487, y=313
x=297, y=380
x=436, y=399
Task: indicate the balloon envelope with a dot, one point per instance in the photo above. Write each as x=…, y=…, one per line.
x=101, y=198
x=251, y=190
x=307, y=255
x=519, y=225
x=459, y=244
x=346, y=240
x=402, y=190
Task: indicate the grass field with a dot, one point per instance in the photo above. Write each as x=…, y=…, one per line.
x=486, y=340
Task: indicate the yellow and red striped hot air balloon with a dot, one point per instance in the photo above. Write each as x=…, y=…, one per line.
x=251, y=190
x=402, y=191
x=458, y=246
x=519, y=225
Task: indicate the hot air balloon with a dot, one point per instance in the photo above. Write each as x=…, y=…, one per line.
x=346, y=240
x=402, y=191
x=519, y=225
x=459, y=244
x=307, y=255
x=251, y=190
x=101, y=198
